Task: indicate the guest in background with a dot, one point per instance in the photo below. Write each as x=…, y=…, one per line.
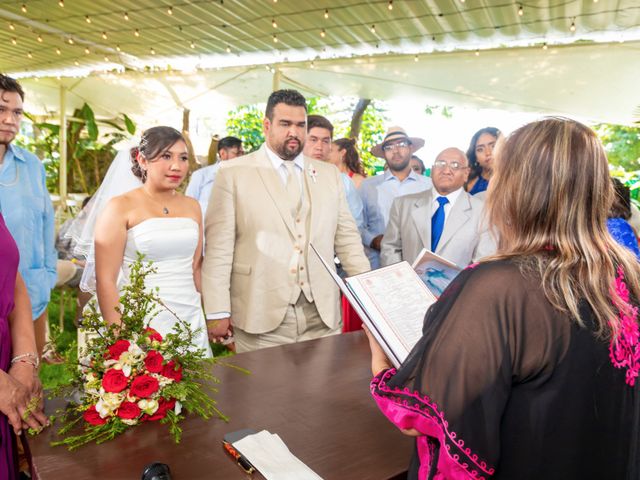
x=201, y=181
x=480, y=155
x=619, y=214
x=27, y=208
x=444, y=219
x=19, y=383
x=318, y=146
x=345, y=156
x=528, y=364
x=417, y=165
x=379, y=192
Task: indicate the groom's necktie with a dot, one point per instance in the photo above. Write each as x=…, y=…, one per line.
x=293, y=187
x=437, y=223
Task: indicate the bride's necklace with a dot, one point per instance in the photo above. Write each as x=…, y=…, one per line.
x=165, y=209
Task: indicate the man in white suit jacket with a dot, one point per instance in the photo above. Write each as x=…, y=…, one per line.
x=463, y=238
x=259, y=273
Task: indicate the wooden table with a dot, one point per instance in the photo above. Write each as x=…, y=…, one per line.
x=313, y=394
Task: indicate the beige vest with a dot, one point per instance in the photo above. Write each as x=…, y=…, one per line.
x=298, y=262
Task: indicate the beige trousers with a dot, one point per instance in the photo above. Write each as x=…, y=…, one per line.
x=301, y=322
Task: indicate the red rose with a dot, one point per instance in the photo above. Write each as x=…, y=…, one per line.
x=172, y=370
x=153, y=334
x=92, y=416
x=118, y=348
x=164, y=406
x=129, y=410
x=153, y=362
x=144, y=386
x=114, y=381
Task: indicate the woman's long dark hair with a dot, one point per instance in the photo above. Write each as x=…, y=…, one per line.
x=476, y=169
x=352, y=158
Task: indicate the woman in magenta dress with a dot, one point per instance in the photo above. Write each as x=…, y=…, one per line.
x=19, y=382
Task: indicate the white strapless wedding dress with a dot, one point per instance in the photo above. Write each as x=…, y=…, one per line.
x=170, y=243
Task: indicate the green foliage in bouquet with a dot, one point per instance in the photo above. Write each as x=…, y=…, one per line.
x=129, y=374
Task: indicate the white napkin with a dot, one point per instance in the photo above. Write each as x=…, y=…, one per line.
x=268, y=453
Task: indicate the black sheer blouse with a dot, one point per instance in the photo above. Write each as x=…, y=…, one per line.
x=502, y=385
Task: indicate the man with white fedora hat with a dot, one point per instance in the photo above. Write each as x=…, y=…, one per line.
x=378, y=192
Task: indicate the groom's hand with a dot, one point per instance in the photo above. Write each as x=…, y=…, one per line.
x=219, y=330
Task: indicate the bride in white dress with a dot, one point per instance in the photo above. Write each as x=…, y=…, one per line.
x=159, y=222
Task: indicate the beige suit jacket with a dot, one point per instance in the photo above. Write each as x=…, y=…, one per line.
x=464, y=238
x=250, y=239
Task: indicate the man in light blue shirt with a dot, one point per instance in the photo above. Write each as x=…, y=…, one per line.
x=201, y=181
x=378, y=192
x=318, y=147
x=26, y=207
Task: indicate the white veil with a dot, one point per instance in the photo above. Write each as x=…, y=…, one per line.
x=119, y=179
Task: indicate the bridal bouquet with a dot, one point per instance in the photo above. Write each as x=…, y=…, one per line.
x=130, y=374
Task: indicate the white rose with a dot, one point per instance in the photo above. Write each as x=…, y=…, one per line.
x=148, y=406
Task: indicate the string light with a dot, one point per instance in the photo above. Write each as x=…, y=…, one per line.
x=70, y=41
x=228, y=49
x=275, y=38
x=477, y=53
x=87, y=51
x=40, y=38
x=14, y=41
x=104, y=35
x=312, y=65
x=126, y=16
x=373, y=29
x=118, y=48
x=415, y=59
x=12, y=26
x=58, y=51
x=192, y=44
x=326, y=13
x=106, y=59
x=76, y=63
x=170, y=10
x=322, y=33
x=273, y=23
x=87, y=19
x=24, y=8
x=152, y=50
x=573, y=26
x=137, y=33
x=544, y=46
x=390, y=6
x=30, y=55
x=520, y=10
x=61, y=3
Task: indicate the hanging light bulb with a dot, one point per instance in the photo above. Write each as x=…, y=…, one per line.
x=275, y=38
x=76, y=63
x=152, y=51
x=544, y=46
x=87, y=19
x=136, y=32
x=415, y=59
x=87, y=51
x=70, y=41
x=126, y=16
x=573, y=26
x=118, y=48
x=228, y=49
x=326, y=13
x=24, y=8
x=273, y=23
x=170, y=10
x=30, y=55
x=104, y=35
x=477, y=53
x=14, y=41
x=58, y=51
x=312, y=65
x=323, y=33
x=61, y=3
x=12, y=26
x=192, y=44
x=40, y=38
x=520, y=10
x=106, y=59
x=390, y=6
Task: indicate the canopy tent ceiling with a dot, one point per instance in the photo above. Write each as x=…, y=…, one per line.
x=152, y=58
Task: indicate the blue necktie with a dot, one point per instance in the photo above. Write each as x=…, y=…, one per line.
x=437, y=223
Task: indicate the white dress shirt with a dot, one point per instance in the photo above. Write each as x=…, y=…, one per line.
x=452, y=197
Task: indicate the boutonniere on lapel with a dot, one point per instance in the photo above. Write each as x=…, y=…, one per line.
x=312, y=173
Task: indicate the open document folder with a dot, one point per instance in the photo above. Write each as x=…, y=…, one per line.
x=391, y=301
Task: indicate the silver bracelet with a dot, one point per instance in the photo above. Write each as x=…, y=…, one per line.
x=33, y=356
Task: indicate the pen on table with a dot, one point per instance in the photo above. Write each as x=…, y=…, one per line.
x=240, y=460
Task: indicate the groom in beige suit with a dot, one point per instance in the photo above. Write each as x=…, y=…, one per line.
x=260, y=277
x=463, y=237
